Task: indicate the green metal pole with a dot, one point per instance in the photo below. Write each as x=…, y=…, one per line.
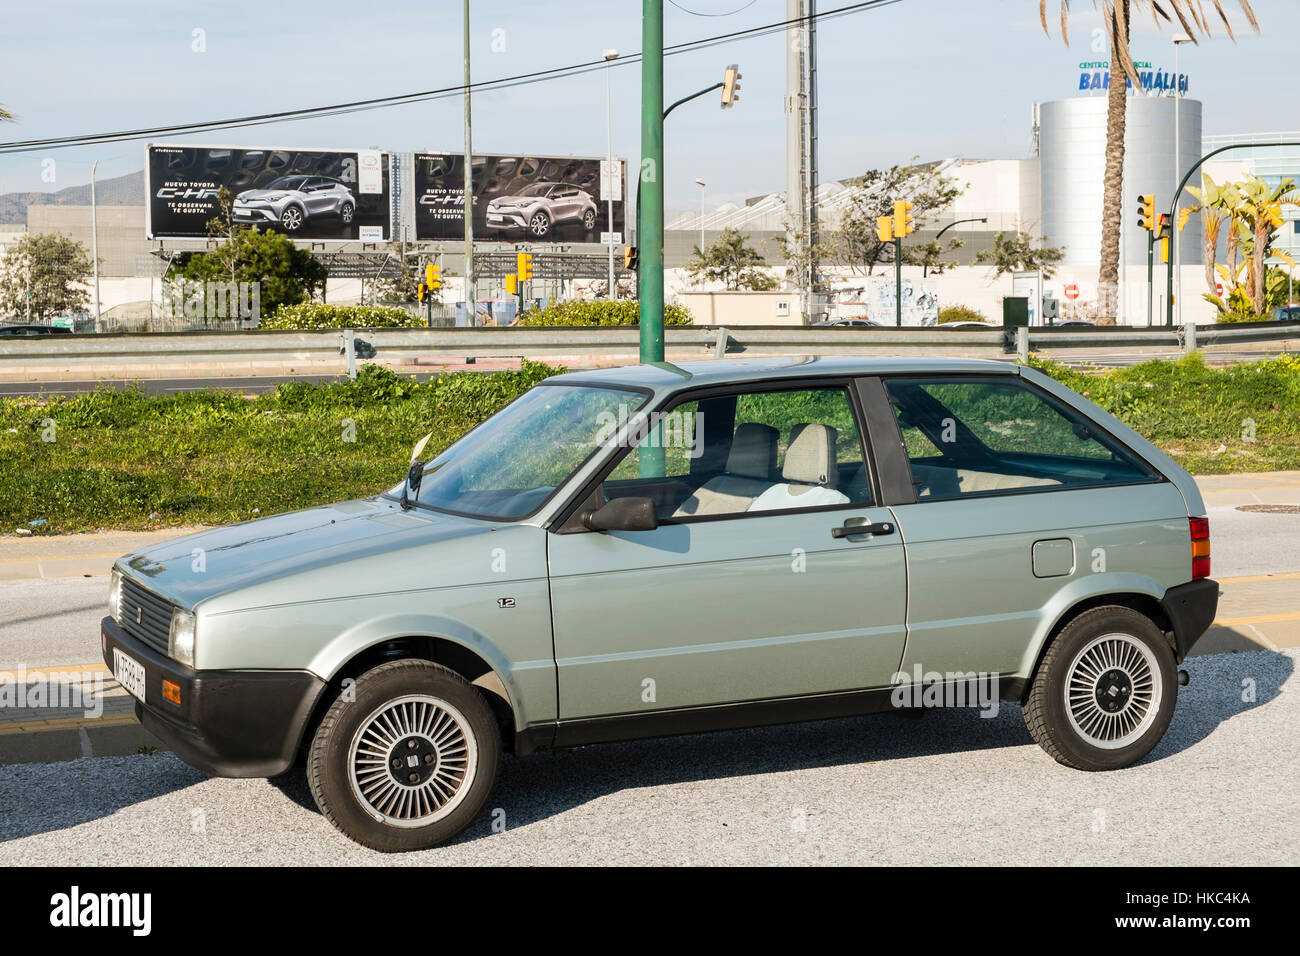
x=650, y=197
x=898, y=281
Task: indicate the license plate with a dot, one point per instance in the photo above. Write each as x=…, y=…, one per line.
x=494, y=218
x=129, y=673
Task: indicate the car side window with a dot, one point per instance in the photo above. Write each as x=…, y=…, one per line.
x=748, y=452
x=984, y=436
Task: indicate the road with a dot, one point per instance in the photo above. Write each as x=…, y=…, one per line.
x=952, y=788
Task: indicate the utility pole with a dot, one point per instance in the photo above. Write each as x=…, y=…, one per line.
x=650, y=194
x=612, y=292
x=470, y=298
x=94, y=242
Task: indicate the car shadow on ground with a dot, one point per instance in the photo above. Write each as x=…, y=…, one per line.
x=547, y=784
x=41, y=798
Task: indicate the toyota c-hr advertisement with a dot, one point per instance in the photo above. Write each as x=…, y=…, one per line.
x=540, y=207
x=517, y=198
x=304, y=194
x=291, y=201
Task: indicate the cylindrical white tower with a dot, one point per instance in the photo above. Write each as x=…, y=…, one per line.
x=1072, y=138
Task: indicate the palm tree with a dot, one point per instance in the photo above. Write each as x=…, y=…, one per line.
x=6, y=115
x=1216, y=205
x=1261, y=213
x=1117, y=16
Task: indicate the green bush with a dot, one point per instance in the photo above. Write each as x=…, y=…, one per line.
x=598, y=312
x=318, y=315
x=960, y=313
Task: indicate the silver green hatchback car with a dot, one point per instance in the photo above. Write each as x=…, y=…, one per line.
x=666, y=549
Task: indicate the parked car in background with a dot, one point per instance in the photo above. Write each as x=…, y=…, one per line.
x=847, y=323
x=34, y=329
x=540, y=207
x=660, y=549
x=291, y=201
x=1073, y=324
x=969, y=325
x=1287, y=313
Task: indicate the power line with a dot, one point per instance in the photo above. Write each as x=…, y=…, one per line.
x=404, y=99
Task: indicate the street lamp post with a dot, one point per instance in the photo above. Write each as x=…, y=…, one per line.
x=610, y=56
x=925, y=268
x=701, y=183
x=1175, y=240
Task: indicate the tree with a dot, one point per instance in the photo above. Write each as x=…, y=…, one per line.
x=287, y=275
x=1016, y=253
x=1117, y=17
x=732, y=261
x=1252, y=211
x=855, y=242
x=44, y=275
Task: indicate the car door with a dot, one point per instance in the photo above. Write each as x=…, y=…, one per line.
x=723, y=603
x=1018, y=499
x=318, y=195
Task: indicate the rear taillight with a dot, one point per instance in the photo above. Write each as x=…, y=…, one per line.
x=1200, y=528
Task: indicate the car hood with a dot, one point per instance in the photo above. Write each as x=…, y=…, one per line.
x=263, y=193
x=258, y=556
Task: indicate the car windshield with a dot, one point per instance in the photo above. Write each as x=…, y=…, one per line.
x=536, y=189
x=507, y=467
x=286, y=182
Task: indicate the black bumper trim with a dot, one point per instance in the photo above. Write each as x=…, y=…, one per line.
x=1191, y=609
x=229, y=723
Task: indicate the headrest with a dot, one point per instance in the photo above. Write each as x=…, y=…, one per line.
x=753, y=451
x=810, y=459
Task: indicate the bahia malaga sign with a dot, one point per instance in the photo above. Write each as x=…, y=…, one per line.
x=1095, y=75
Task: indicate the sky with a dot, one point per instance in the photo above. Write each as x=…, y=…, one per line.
x=923, y=78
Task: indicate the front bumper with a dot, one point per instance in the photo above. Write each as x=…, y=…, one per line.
x=255, y=214
x=1191, y=609
x=232, y=723
x=505, y=219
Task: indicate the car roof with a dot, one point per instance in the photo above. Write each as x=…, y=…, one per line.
x=666, y=375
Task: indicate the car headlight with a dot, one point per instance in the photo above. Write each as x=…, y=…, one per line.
x=180, y=639
x=115, y=595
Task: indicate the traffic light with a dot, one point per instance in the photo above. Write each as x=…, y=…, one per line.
x=885, y=229
x=422, y=291
x=1162, y=226
x=432, y=276
x=730, y=86
x=524, y=266
x=903, y=223
x=512, y=284
x=631, y=258
x=1147, y=211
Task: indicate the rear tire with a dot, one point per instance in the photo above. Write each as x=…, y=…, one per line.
x=1105, y=691
x=409, y=761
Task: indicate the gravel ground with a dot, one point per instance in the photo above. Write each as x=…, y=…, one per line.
x=951, y=788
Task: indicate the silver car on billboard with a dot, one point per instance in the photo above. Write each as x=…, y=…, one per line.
x=291, y=201
x=541, y=206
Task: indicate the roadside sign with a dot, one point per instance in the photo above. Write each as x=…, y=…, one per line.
x=611, y=180
x=611, y=238
x=1071, y=292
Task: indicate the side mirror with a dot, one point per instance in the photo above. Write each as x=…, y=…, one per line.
x=623, y=514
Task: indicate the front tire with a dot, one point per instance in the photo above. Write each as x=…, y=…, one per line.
x=292, y=219
x=1105, y=692
x=408, y=761
x=539, y=224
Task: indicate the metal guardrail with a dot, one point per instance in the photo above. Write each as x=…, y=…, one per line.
x=103, y=353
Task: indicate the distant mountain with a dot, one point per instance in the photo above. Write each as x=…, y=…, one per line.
x=125, y=190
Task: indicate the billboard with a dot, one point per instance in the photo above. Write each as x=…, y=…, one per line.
x=309, y=194
x=519, y=198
